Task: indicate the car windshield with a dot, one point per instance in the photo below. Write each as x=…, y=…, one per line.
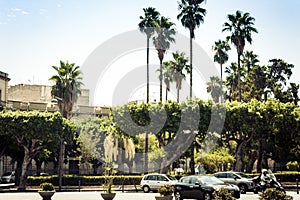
x=6, y=174
x=243, y=175
x=210, y=180
x=171, y=178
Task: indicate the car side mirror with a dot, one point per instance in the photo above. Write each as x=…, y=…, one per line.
x=197, y=183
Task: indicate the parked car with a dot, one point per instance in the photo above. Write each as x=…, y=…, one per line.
x=242, y=180
x=8, y=177
x=201, y=187
x=151, y=182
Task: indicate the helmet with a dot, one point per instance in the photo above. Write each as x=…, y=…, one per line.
x=264, y=171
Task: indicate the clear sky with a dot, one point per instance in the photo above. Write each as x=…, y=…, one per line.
x=38, y=34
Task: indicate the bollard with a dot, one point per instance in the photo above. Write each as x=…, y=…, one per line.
x=79, y=185
x=297, y=185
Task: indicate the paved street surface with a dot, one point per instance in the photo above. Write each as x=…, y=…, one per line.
x=96, y=196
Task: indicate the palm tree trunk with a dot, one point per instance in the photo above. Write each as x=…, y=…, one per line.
x=166, y=94
x=160, y=80
x=148, y=38
x=146, y=153
x=221, y=66
x=239, y=77
x=191, y=64
x=178, y=94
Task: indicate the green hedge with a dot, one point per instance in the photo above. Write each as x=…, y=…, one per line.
x=284, y=176
x=73, y=180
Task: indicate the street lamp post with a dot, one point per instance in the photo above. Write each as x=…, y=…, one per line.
x=61, y=161
x=61, y=152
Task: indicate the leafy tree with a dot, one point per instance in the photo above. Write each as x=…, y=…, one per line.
x=34, y=131
x=162, y=40
x=146, y=26
x=91, y=139
x=240, y=27
x=216, y=160
x=67, y=86
x=191, y=16
x=278, y=73
x=255, y=83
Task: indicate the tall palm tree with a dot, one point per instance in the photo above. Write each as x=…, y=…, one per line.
x=164, y=35
x=67, y=86
x=221, y=56
x=214, y=87
x=240, y=27
x=249, y=59
x=146, y=26
x=168, y=76
x=191, y=16
x=179, y=65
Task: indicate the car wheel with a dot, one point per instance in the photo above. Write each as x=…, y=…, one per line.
x=243, y=188
x=178, y=196
x=207, y=196
x=146, y=189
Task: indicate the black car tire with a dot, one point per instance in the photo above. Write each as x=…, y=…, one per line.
x=146, y=189
x=178, y=196
x=243, y=188
x=207, y=196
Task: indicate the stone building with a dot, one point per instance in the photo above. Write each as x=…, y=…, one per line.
x=3, y=86
x=4, y=161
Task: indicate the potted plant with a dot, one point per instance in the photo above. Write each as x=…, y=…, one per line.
x=46, y=191
x=109, y=173
x=165, y=192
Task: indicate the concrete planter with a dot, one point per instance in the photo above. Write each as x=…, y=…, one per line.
x=170, y=197
x=108, y=196
x=46, y=195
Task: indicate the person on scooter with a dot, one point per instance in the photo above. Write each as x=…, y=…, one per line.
x=265, y=179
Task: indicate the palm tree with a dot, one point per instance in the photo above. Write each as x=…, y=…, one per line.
x=162, y=40
x=249, y=59
x=67, y=86
x=231, y=81
x=146, y=26
x=221, y=47
x=191, y=16
x=168, y=76
x=179, y=65
x=221, y=56
x=240, y=26
x=214, y=87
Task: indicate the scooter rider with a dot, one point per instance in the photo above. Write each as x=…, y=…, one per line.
x=265, y=178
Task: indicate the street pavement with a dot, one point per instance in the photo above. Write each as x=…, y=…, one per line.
x=94, y=195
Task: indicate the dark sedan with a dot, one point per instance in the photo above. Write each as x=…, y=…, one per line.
x=201, y=187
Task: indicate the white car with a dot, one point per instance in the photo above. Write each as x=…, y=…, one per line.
x=8, y=177
x=151, y=182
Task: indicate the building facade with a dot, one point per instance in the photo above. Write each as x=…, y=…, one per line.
x=3, y=86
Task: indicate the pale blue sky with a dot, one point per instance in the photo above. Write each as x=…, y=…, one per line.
x=37, y=34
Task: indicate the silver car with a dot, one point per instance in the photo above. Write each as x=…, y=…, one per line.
x=151, y=182
x=242, y=180
x=8, y=177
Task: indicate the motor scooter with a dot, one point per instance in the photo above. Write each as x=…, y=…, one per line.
x=260, y=185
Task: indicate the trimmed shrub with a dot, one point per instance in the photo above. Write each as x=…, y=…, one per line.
x=273, y=194
x=222, y=194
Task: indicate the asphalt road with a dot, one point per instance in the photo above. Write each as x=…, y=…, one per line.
x=96, y=195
